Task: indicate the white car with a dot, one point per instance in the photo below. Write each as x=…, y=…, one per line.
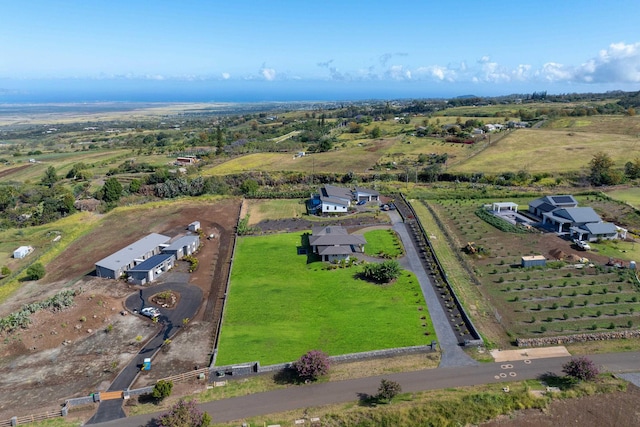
x=151, y=312
x=583, y=245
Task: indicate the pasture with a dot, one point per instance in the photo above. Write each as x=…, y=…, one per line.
x=280, y=305
x=274, y=209
x=629, y=195
x=541, y=150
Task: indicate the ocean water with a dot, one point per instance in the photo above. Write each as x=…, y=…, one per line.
x=88, y=91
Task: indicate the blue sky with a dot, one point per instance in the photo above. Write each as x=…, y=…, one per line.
x=445, y=48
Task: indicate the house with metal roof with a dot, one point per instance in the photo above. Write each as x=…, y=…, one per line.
x=118, y=263
x=366, y=194
x=150, y=269
x=564, y=219
x=549, y=203
x=185, y=245
x=334, y=243
x=593, y=231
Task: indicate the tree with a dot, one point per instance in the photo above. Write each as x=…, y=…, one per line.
x=384, y=272
x=388, y=390
x=311, y=365
x=35, y=271
x=50, y=177
x=185, y=414
x=375, y=132
x=581, y=368
x=249, y=186
x=162, y=389
x=5, y=271
x=632, y=168
x=111, y=190
x=602, y=172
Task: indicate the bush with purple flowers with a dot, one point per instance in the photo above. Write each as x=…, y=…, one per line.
x=311, y=365
x=581, y=368
x=184, y=414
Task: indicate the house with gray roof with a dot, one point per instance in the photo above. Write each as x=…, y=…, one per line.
x=582, y=223
x=185, y=245
x=334, y=243
x=118, y=263
x=149, y=270
x=549, y=203
x=334, y=199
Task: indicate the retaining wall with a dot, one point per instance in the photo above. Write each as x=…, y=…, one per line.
x=567, y=339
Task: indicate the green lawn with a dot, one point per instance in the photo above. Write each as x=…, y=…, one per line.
x=383, y=243
x=279, y=307
x=630, y=195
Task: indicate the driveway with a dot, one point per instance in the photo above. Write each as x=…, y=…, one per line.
x=171, y=320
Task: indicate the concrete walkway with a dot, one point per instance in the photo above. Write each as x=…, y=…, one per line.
x=452, y=353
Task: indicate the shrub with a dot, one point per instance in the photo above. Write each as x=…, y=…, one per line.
x=581, y=368
x=384, y=272
x=162, y=389
x=388, y=390
x=311, y=365
x=185, y=413
x=35, y=271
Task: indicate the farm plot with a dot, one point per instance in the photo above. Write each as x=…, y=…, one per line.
x=281, y=305
x=561, y=298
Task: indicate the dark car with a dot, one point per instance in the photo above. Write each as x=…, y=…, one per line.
x=361, y=202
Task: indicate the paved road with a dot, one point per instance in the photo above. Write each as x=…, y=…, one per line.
x=171, y=320
x=307, y=396
x=452, y=353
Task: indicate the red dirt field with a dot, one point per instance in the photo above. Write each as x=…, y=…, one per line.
x=618, y=409
x=80, y=350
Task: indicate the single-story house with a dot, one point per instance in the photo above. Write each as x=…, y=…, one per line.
x=332, y=199
x=366, y=195
x=591, y=232
x=182, y=247
x=118, y=263
x=334, y=243
x=564, y=219
x=150, y=269
x=549, y=203
x=22, y=252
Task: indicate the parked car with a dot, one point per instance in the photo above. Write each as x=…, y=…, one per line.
x=150, y=312
x=361, y=202
x=581, y=244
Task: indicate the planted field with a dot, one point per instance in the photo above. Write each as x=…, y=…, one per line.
x=539, y=150
x=559, y=299
x=281, y=305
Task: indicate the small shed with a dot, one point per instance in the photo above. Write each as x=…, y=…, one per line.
x=533, y=261
x=194, y=226
x=22, y=252
x=504, y=206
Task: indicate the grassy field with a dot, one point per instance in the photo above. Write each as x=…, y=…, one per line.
x=539, y=150
x=281, y=306
x=261, y=209
x=629, y=195
x=383, y=243
x=41, y=238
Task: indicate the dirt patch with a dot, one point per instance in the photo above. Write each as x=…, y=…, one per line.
x=11, y=171
x=602, y=410
x=81, y=349
x=529, y=353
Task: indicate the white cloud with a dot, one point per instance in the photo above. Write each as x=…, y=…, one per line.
x=268, y=73
x=226, y=76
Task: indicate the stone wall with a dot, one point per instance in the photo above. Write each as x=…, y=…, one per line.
x=567, y=339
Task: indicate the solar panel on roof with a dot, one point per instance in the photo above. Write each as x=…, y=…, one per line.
x=563, y=199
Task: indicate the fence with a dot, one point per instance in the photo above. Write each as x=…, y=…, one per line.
x=465, y=317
